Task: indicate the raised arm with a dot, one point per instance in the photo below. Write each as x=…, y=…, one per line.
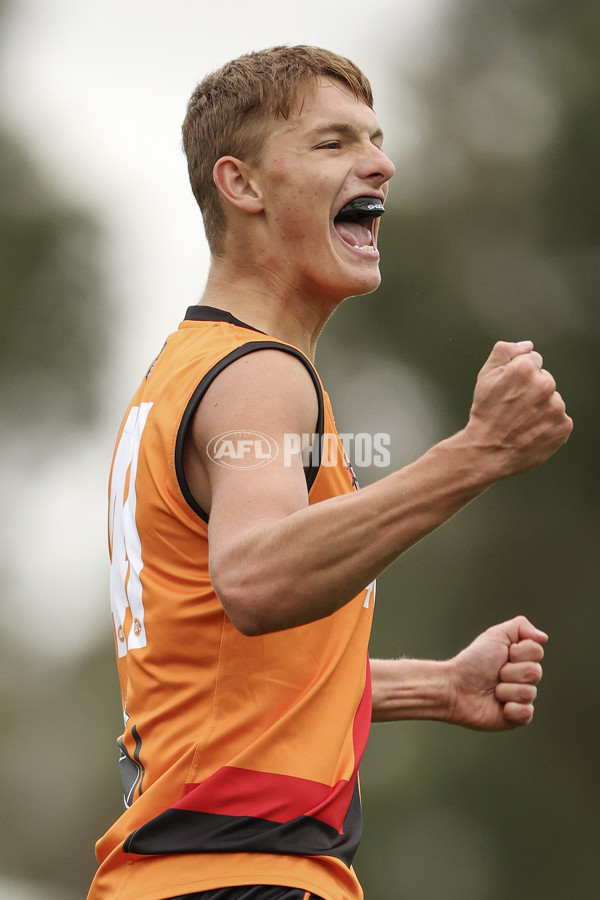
x=276, y=562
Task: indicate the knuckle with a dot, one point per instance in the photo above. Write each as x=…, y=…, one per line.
x=547, y=381
x=526, y=715
x=533, y=673
x=519, y=713
x=528, y=693
x=523, y=365
x=537, y=358
x=561, y=410
x=521, y=651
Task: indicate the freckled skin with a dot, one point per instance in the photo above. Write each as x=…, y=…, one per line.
x=308, y=173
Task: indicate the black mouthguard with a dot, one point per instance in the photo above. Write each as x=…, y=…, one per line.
x=361, y=208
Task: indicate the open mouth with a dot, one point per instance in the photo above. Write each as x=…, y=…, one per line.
x=355, y=222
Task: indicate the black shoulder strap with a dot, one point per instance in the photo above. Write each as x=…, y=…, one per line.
x=250, y=347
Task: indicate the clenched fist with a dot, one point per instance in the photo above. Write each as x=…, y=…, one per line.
x=518, y=417
x=494, y=679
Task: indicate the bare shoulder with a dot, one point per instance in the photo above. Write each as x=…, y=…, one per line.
x=264, y=388
x=268, y=391
x=266, y=384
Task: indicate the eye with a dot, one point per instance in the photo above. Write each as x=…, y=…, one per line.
x=330, y=145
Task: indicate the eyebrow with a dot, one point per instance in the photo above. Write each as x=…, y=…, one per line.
x=343, y=128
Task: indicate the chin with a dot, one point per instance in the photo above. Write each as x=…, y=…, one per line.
x=365, y=285
x=343, y=284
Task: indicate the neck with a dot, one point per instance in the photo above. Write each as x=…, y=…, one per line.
x=262, y=299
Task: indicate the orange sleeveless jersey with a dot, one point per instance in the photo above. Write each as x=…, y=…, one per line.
x=240, y=755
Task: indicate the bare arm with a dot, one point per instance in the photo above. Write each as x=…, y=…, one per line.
x=489, y=686
x=275, y=561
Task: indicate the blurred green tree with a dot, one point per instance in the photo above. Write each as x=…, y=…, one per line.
x=53, y=342
x=53, y=317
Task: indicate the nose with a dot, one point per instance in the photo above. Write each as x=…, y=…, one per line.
x=387, y=166
x=377, y=166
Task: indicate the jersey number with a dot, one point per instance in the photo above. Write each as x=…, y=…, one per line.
x=124, y=540
x=371, y=589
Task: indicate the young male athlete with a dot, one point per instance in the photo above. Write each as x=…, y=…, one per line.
x=242, y=593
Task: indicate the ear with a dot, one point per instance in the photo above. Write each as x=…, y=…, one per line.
x=235, y=183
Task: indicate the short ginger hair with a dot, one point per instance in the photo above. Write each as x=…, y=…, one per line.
x=231, y=111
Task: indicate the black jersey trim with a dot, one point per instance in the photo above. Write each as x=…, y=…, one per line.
x=212, y=314
x=188, y=831
x=250, y=347
x=132, y=771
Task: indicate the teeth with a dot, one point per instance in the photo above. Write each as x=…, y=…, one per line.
x=368, y=247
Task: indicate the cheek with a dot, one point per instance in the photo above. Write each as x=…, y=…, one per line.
x=297, y=216
x=298, y=201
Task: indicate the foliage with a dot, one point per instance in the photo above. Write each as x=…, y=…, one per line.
x=53, y=323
